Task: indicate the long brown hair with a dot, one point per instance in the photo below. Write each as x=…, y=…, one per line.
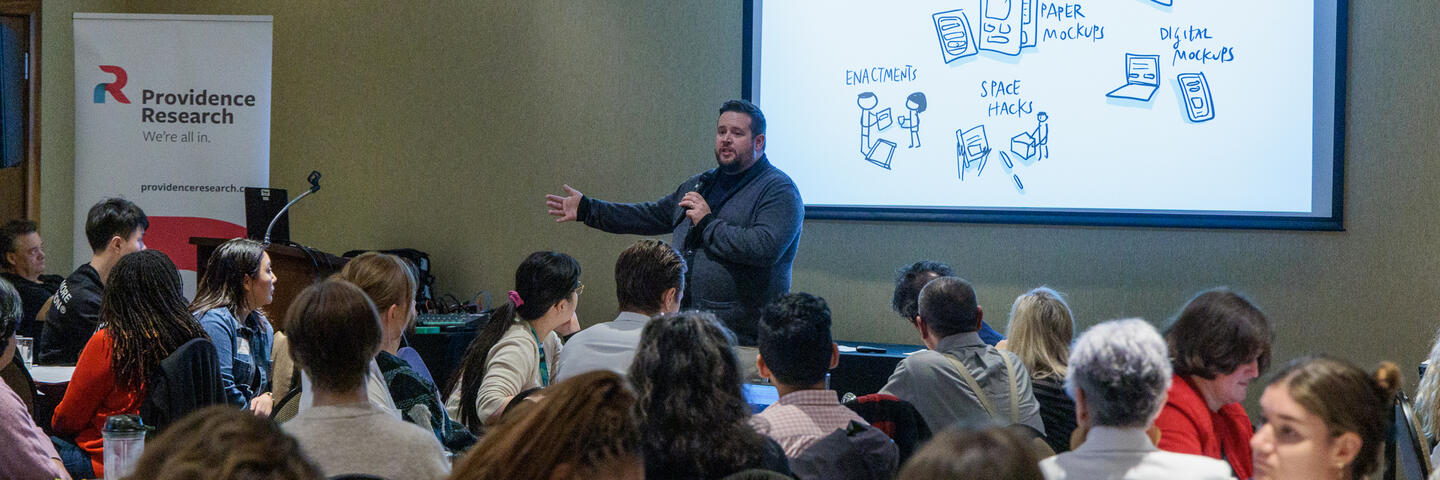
x=143, y=310
x=223, y=284
x=585, y=422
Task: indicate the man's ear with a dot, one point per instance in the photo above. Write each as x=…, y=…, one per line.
x=762, y=368
x=115, y=242
x=834, y=355
x=12, y=258
x=760, y=143
x=670, y=300
x=979, y=317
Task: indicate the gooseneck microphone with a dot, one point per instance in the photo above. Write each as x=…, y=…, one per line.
x=314, y=179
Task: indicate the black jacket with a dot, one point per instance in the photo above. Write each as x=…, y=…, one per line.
x=73, y=318
x=32, y=296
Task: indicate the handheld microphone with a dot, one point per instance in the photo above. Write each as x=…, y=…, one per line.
x=314, y=179
x=700, y=183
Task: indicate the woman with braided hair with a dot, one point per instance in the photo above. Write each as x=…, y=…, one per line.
x=143, y=318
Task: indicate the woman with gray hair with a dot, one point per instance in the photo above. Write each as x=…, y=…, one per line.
x=1119, y=372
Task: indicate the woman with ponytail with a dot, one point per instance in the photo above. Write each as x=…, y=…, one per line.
x=143, y=319
x=1324, y=419
x=516, y=349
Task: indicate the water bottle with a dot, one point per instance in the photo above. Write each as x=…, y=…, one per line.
x=124, y=437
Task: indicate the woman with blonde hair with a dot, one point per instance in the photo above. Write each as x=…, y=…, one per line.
x=1427, y=398
x=390, y=284
x=1039, y=332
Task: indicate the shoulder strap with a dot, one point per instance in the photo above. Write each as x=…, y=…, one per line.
x=974, y=385
x=1014, y=388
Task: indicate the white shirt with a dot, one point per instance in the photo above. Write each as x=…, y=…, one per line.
x=607, y=346
x=1126, y=453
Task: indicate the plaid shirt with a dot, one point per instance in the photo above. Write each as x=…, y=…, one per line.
x=800, y=418
x=408, y=389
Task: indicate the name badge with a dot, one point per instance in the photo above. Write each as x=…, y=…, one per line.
x=242, y=346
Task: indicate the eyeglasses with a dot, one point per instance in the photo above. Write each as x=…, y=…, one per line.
x=580, y=289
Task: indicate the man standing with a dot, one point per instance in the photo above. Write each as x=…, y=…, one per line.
x=737, y=225
x=959, y=378
x=114, y=227
x=22, y=263
x=649, y=277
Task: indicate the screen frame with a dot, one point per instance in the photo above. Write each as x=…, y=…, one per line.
x=1334, y=222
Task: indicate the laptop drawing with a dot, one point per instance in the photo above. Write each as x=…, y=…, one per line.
x=1142, y=78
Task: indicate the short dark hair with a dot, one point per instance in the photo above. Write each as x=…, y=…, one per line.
x=757, y=118
x=334, y=331
x=1218, y=331
x=8, y=233
x=110, y=218
x=644, y=272
x=948, y=306
x=794, y=339
x=908, y=282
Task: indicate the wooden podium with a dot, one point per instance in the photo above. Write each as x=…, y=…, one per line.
x=295, y=268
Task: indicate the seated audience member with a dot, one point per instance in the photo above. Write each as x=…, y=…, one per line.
x=583, y=429
x=1039, y=332
x=22, y=263
x=516, y=350
x=693, y=416
x=795, y=354
x=224, y=443
x=1218, y=344
x=649, y=278
x=942, y=382
x=238, y=281
x=906, y=300
x=1324, y=418
x=391, y=286
x=1119, y=372
x=29, y=454
x=990, y=453
x=1427, y=400
x=144, y=320
x=334, y=334
x=114, y=228
x=287, y=376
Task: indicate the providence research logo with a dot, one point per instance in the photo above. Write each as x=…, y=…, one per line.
x=112, y=87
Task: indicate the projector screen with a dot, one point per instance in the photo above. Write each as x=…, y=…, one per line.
x=1188, y=113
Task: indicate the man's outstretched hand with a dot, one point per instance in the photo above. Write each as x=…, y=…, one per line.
x=564, y=208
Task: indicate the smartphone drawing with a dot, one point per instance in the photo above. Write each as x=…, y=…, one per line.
x=1198, y=104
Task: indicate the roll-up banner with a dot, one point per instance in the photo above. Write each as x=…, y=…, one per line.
x=172, y=112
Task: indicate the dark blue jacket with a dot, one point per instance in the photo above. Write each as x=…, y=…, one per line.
x=739, y=257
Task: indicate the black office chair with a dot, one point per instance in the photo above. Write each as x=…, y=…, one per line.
x=1407, y=444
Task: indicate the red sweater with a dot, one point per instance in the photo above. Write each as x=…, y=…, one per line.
x=1188, y=426
x=91, y=398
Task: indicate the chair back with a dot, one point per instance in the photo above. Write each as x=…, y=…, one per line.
x=288, y=406
x=19, y=379
x=1411, y=454
x=897, y=418
x=188, y=380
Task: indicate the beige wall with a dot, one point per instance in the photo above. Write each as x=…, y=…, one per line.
x=440, y=125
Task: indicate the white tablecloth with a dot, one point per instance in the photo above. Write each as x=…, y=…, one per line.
x=49, y=374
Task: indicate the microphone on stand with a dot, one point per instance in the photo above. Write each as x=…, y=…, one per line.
x=314, y=179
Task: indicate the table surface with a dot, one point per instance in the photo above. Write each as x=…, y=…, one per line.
x=51, y=374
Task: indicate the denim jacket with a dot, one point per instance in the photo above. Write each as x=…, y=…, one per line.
x=243, y=350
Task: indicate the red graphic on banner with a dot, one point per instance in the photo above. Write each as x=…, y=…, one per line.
x=172, y=236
